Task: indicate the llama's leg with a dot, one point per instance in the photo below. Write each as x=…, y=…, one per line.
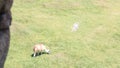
x=41, y=52
x=34, y=54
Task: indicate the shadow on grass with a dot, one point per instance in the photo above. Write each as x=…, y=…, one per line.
x=39, y=54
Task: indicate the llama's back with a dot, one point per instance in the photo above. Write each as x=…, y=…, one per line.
x=38, y=47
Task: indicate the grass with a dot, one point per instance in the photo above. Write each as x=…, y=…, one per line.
x=94, y=45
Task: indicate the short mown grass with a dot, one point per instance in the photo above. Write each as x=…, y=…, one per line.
x=96, y=44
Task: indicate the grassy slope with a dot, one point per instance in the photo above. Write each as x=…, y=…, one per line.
x=94, y=45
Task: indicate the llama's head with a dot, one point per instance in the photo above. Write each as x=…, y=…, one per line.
x=47, y=51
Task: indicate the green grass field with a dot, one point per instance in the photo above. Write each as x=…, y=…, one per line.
x=96, y=44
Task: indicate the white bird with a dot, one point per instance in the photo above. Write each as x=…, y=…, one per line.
x=75, y=27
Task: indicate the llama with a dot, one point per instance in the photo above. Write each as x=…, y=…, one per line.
x=40, y=48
